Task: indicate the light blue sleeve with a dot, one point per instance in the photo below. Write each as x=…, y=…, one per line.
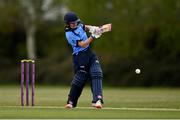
x=72, y=39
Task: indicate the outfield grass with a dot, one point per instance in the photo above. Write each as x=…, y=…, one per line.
x=147, y=103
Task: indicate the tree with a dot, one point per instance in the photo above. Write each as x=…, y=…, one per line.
x=34, y=12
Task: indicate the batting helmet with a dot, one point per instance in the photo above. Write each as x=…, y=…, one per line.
x=70, y=17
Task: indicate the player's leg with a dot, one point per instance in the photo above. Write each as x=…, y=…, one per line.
x=93, y=95
x=96, y=77
x=79, y=79
x=77, y=86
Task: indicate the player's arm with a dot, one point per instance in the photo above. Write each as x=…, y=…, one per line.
x=86, y=42
x=89, y=40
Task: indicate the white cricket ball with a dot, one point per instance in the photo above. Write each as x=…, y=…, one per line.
x=138, y=71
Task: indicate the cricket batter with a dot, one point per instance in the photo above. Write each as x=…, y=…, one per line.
x=86, y=63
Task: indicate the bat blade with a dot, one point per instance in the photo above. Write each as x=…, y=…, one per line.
x=105, y=28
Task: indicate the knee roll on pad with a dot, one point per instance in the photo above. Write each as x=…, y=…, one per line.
x=96, y=71
x=80, y=78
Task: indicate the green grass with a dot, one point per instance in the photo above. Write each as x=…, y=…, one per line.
x=50, y=100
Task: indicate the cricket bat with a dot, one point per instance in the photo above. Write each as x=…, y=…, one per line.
x=104, y=28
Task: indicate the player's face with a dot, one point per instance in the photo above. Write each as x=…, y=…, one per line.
x=73, y=24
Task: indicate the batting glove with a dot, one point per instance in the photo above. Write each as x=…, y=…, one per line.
x=95, y=35
x=93, y=29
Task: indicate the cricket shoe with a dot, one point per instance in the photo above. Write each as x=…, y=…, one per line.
x=69, y=106
x=98, y=104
